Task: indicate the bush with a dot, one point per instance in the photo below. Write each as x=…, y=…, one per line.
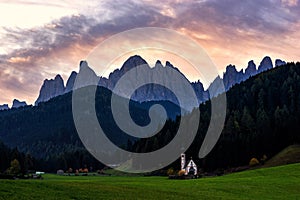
x=85, y=170
x=170, y=171
x=14, y=167
x=263, y=159
x=70, y=170
x=181, y=173
x=253, y=162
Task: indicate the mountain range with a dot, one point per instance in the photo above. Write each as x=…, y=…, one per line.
x=16, y=104
x=55, y=87
x=262, y=114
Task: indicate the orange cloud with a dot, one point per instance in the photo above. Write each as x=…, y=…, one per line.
x=20, y=60
x=290, y=2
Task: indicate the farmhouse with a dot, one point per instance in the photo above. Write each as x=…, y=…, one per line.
x=190, y=167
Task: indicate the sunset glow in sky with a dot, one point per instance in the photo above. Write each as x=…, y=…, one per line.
x=41, y=39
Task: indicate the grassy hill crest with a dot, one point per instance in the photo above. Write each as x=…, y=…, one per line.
x=289, y=155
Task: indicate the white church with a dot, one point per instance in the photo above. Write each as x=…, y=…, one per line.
x=190, y=168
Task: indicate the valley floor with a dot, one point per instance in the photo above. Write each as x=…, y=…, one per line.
x=281, y=182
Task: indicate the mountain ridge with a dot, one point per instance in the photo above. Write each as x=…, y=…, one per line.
x=260, y=120
x=52, y=88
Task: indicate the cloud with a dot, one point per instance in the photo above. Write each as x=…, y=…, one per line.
x=290, y=3
x=261, y=16
x=57, y=47
x=232, y=31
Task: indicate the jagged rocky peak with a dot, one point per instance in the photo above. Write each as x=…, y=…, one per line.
x=230, y=69
x=51, y=88
x=70, y=82
x=201, y=94
x=279, y=62
x=83, y=64
x=133, y=62
x=216, y=87
x=85, y=77
x=58, y=78
x=84, y=69
x=251, y=69
x=265, y=64
x=4, y=107
x=232, y=76
x=168, y=64
x=18, y=104
x=198, y=84
x=158, y=64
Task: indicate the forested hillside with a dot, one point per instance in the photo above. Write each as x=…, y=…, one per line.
x=47, y=131
x=263, y=117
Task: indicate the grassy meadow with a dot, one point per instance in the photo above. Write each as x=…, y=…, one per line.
x=281, y=182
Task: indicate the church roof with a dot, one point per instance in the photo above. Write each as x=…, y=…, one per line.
x=190, y=162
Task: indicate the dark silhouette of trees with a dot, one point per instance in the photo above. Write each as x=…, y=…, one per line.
x=263, y=116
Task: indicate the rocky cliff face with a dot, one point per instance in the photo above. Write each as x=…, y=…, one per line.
x=130, y=63
x=202, y=95
x=250, y=70
x=86, y=76
x=162, y=82
x=51, y=88
x=18, y=104
x=4, y=107
x=232, y=76
x=279, y=62
x=265, y=64
x=70, y=82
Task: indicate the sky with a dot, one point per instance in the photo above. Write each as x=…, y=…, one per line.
x=40, y=39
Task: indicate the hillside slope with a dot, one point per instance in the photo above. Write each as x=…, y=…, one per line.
x=48, y=129
x=289, y=155
x=263, y=113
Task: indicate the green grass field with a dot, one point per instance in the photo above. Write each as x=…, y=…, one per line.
x=269, y=183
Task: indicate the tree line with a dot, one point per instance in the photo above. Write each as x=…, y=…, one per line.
x=263, y=113
x=263, y=116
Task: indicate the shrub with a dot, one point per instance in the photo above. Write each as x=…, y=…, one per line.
x=70, y=170
x=85, y=170
x=170, y=171
x=14, y=167
x=263, y=159
x=181, y=173
x=253, y=162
